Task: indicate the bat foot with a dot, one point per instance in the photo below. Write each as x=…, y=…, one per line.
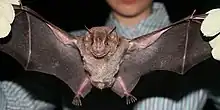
x=130, y=99
x=76, y=101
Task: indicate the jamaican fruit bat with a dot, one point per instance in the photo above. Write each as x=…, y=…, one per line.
x=101, y=58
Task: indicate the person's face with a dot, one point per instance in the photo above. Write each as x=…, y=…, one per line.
x=129, y=7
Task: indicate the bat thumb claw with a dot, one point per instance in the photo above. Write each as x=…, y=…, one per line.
x=194, y=11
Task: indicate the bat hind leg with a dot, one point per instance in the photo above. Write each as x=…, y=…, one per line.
x=76, y=100
x=129, y=98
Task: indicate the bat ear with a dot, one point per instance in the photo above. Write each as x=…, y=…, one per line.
x=146, y=40
x=61, y=35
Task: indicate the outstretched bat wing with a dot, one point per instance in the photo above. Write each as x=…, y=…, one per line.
x=40, y=46
x=175, y=48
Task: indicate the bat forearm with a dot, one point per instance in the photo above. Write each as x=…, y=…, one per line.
x=83, y=85
x=129, y=98
x=76, y=99
x=123, y=85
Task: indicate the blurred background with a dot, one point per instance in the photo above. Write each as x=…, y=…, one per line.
x=74, y=14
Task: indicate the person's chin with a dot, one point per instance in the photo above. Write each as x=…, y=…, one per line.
x=129, y=14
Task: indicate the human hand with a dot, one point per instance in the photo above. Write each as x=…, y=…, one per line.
x=211, y=28
x=7, y=16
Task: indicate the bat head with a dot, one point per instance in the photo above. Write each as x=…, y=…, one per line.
x=101, y=41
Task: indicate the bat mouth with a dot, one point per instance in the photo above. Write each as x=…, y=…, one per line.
x=99, y=54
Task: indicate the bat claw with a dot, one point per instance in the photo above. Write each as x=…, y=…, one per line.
x=130, y=99
x=76, y=101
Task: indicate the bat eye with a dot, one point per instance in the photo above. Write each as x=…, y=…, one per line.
x=111, y=37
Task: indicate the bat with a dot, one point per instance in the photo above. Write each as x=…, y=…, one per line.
x=101, y=58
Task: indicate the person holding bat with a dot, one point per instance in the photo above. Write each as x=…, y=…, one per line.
x=136, y=18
